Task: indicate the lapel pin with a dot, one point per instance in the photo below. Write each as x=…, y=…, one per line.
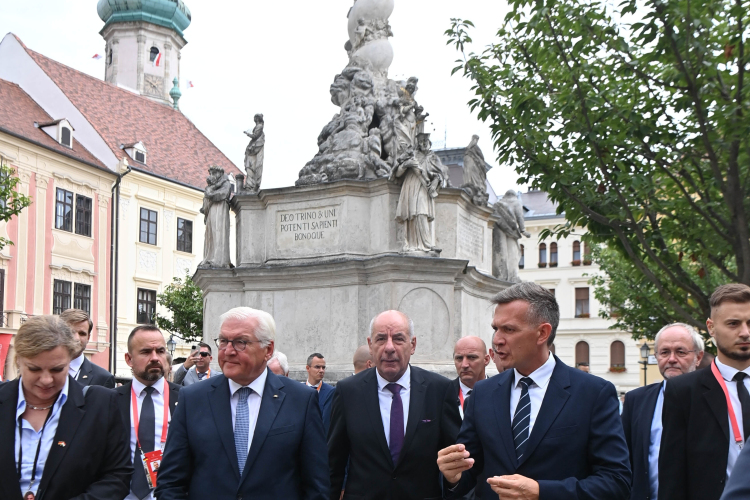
x=61, y=444
x=85, y=376
x=276, y=395
x=176, y=403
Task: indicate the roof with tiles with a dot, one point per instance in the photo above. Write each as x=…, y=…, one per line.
x=539, y=206
x=18, y=114
x=177, y=150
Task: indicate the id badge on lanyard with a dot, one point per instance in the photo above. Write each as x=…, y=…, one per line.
x=152, y=460
x=730, y=408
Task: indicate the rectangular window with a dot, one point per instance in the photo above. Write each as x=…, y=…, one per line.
x=64, y=210
x=60, y=296
x=82, y=297
x=582, y=302
x=83, y=215
x=148, y=226
x=146, y=306
x=184, y=235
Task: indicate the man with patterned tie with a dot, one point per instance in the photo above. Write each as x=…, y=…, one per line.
x=142, y=402
x=247, y=433
x=540, y=429
x=389, y=421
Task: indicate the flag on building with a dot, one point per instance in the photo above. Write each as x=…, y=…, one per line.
x=190, y=84
x=97, y=57
x=157, y=60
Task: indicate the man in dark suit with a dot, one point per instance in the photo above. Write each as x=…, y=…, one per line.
x=81, y=369
x=540, y=429
x=250, y=433
x=147, y=358
x=738, y=486
x=390, y=421
x=700, y=445
x=679, y=349
x=316, y=370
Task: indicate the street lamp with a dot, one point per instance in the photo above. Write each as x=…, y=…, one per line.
x=171, y=345
x=645, y=351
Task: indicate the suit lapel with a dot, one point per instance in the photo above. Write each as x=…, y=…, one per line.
x=372, y=404
x=646, y=417
x=273, y=398
x=84, y=374
x=416, y=410
x=716, y=401
x=9, y=485
x=501, y=395
x=70, y=418
x=553, y=402
x=218, y=399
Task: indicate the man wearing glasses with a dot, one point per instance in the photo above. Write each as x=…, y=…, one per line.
x=679, y=349
x=196, y=368
x=242, y=425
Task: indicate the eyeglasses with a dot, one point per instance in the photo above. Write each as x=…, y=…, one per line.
x=680, y=353
x=204, y=354
x=238, y=344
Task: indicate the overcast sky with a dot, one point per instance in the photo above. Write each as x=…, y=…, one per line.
x=279, y=58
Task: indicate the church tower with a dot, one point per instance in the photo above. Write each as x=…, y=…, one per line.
x=143, y=43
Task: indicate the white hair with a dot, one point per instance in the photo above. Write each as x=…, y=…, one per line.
x=265, y=331
x=697, y=339
x=282, y=359
x=408, y=319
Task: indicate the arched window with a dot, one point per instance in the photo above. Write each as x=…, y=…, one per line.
x=553, y=255
x=542, y=255
x=617, y=355
x=576, y=253
x=520, y=262
x=582, y=353
x=154, y=54
x=586, y=254
x=109, y=57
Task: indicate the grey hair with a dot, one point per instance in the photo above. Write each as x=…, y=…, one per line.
x=265, y=331
x=282, y=359
x=408, y=319
x=697, y=339
x=543, y=306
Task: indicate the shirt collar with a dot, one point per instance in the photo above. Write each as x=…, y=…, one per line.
x=75, y=364
x=464, y=388
x=541, y=375
x=727, y=372
x=256, y=385
x=138, y=386
x=404, y=381
x=21, y=406
x=307, y=382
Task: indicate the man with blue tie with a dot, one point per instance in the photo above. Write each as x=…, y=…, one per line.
x=540, y=429
x=250, y=433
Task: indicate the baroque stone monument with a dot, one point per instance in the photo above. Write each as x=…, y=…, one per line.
x=216, y=216
x=254, y=155
x=475, y=175
x=370, y=225
x=509, y=227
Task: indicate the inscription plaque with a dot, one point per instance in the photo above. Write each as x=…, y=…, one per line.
x=308, y=228
x=470, y=240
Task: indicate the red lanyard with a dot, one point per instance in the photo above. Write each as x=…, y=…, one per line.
x=165, y=424
x=461, y=397
x=732, y=416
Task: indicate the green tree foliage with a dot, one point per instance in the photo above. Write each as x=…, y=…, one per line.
x=184, y=300
x=11, y=201
x=634, y=118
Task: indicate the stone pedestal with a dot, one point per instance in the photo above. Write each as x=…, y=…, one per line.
x=324, y=259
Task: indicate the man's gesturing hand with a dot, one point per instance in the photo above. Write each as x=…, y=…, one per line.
x=452, y=461
x=515, y=487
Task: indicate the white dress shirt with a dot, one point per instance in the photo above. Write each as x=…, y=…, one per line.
x=253, y=402
x=75, y=366
x=537, y=390
x=29, y=438
x=158, y=398
x=465, y=390
x=655, y=444
x=385, y=399
x=728, y=373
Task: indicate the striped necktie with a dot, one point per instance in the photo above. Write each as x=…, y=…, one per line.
x=522, y=418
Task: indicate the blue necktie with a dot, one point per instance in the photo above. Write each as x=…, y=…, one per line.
x=522, y=418
x=242, y=427
x=397, y=422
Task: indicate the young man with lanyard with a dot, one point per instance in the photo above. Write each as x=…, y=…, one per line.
x=706, y=416
x=147, y=403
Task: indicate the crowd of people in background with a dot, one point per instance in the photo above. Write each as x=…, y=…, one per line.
x=538, y=430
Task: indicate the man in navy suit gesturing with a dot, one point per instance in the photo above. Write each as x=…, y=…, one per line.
x=250, y=433
x=540, y=429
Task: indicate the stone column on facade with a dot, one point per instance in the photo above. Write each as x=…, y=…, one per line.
x=179, y=56
x=167, y=74
x=141, y=54
x=40, y=202
x=19, y=301
x=114, y=45
x=101, y=279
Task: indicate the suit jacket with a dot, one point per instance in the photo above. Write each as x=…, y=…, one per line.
x=92, y=374
x=126, y=408
x=95, y=460
x=738, y=486
x=185, y=377
x=637, y=414
x=325, y=398
x=576, y=449
x=696, y=436
x=357, y=434
x=287, y=457
x=455, y=388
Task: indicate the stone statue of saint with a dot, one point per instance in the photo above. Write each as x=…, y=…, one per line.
x=505, y=235
x=423, y=174
x=216, y=216
x=254, y=155
x=475, y=174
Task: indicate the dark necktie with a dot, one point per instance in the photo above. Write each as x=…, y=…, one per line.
x=397, y=422
x=522, y=418
x=201, y=375
x=146, y=438
x=744, y=401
